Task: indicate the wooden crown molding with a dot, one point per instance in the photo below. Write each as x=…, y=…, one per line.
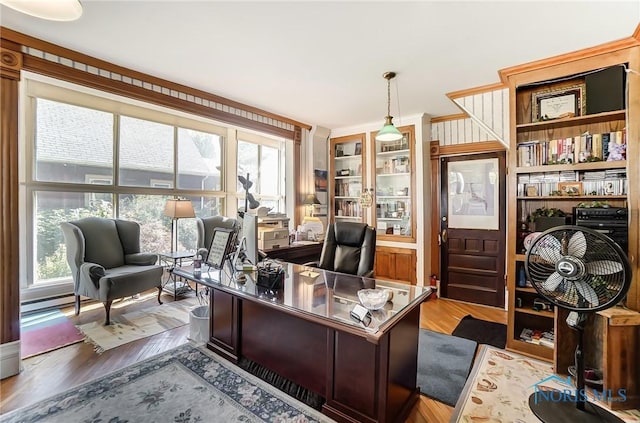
x=17, y=38
x=571, y=57
x=477, y=90
x=10, y=63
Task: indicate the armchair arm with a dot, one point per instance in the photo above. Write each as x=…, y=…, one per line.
x=203, y=253
x=141, y=259
x=91, y=272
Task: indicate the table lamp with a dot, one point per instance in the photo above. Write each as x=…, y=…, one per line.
x=177, y=208
x=311, y=222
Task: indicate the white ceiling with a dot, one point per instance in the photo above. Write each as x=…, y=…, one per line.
x=322, y=62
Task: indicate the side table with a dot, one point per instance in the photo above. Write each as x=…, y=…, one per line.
x=171, y=260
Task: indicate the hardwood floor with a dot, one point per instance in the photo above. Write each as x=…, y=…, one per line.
x=53, y=372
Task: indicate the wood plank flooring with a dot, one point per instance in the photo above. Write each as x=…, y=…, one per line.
x=56, y=371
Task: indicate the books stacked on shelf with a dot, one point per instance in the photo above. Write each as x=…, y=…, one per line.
x=578, y=149
x=538, y=337
x=597, y=182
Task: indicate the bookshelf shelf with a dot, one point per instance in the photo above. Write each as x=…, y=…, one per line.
x=618, y=164
x=575, y=197
x=578, y=120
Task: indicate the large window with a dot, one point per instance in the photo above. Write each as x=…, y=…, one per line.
x=92, y=156
x=263, y=160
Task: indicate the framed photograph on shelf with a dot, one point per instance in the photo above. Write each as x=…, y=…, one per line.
x=570, y=188
x=532, y=191
x=560, y=103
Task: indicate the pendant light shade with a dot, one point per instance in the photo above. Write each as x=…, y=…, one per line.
x=53, y=10
x=389, y=132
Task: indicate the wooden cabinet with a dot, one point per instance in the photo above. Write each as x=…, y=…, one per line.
x=557, y=158
x=346, y=177
x=398, y=264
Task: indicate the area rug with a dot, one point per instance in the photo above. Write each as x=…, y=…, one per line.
x=444, y=362
x=186, y=384
x=46, y=331
x=138, y=324
x=482, y=331
x=500, y=384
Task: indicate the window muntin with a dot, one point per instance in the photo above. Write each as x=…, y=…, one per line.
x=73, y=188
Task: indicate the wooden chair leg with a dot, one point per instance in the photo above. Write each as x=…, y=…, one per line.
x=107, y=309
x=77, y=304
x=159, y=293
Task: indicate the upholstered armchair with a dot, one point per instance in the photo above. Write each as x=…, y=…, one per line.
x=206, y=228
x=106, y=262
x=349, y=247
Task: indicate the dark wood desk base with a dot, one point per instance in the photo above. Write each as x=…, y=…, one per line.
x=362, y=381
x=299, y=254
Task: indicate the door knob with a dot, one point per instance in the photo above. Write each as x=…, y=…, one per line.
x=443, y=235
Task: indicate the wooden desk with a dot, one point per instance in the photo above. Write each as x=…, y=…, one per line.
x=303, y=332
x=300, y=254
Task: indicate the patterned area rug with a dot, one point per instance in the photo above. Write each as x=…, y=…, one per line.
x=500, y=384
x=186, y=384
x=138, y=324
x=46, y=331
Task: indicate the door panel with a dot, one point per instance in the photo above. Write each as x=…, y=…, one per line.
x=473, y=228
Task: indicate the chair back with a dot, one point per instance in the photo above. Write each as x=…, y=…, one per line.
x=208, y=225
x=349, y=247
x=102, y=241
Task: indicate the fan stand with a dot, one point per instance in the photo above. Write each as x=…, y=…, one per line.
x=560, y=408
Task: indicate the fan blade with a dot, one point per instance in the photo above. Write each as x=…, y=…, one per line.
x=552, y=281
x=603, y=267
x=549, y=249
x=577, y=245
x=587, y=293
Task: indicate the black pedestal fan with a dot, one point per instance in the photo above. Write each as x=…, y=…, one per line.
x=583, y=271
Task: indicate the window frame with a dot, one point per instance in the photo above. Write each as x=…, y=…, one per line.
x=37, y=86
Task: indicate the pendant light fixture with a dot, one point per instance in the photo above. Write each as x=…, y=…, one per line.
x=389, y=132
x=53, y=10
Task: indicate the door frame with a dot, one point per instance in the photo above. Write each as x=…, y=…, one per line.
x=436, y=152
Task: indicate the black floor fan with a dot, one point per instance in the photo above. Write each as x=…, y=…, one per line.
x=583, y=271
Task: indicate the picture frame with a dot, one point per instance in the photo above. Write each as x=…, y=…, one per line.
x=532, y=191
x=549, y=104
x=358, y=149
x=570, y=188
x=222, y=244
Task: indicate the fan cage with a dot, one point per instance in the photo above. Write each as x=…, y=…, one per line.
x=602, y=272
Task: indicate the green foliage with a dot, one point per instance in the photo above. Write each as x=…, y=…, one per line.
x=545, y=212
x=54, y=265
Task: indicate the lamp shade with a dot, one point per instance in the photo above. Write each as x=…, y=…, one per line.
x=178, y=209
x=53, y=10
x=311, y=199
x=389, y=132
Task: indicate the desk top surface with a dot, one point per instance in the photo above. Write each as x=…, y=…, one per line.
x=318, y=293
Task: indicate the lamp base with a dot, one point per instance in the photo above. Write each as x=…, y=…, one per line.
x=565, y=410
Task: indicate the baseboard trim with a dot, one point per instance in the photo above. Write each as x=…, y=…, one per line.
x=9, y=359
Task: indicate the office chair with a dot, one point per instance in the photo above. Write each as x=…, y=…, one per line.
x=349, y=247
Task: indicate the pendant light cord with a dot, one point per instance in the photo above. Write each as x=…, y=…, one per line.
x=388, y=96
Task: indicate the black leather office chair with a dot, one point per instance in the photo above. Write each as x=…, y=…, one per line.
x=349, y=247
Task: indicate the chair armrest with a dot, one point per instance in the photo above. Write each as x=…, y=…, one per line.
x=91, y=271
x=141, y=259
x=203, y=253
x=312, y=264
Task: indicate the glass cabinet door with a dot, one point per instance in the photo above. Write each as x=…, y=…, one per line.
x=394, y=187
x=346, y=172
